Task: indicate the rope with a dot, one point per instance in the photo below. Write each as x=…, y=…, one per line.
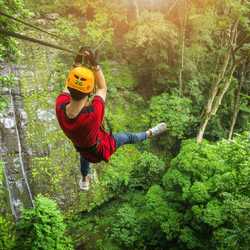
x=31, y=39
x=33, y=26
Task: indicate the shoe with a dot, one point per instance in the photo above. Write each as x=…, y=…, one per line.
x=84, y=185
x=158, y=129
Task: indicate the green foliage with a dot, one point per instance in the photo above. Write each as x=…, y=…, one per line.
x=174, y=110
x=114, y=177
x=119, y=76
x=203, y=203
x=125, y=230
x=99, y=32
x=154, y=39
x=207, y=184
x=68, y=29
x=5, y=210
x=1, y=179
x=117, y=174
x=8, y=46
x=121, y=82
x=164, y=219
x=2, y=186
x=204, y=200
x=6, y=235
x=147, y=170
x=8, y=80
x=3, y=103
x=42, y=227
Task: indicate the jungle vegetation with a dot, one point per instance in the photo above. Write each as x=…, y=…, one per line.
x=184, y=62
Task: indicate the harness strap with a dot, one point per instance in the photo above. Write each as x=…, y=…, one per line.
x=92, y=150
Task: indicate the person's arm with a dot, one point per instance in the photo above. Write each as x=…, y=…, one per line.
x=65, y=90
x=100, y=79
x=100, y=82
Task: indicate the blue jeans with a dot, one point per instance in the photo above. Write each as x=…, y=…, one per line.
x=120, y=139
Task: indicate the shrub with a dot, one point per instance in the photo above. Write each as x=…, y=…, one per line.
x=174, y=110
x=8, y=46
x=204, y=202
x=6, y=235
x=42, y=228
x=147, y=170
x=117, y=174
x=208, y=185
x=125, y=229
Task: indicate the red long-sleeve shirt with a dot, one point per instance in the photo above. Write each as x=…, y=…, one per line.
x=85, y=129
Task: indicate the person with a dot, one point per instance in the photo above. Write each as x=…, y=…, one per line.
x=81, y=120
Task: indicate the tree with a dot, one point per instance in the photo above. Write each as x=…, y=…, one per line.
x=154, y=39
x=8, y=46
x=182, y=43
x=147, y=170
x=174, y=110
x=99, y=32
x=236, y=106
x=205, y=200
x=42, y=228
x=6, y=235
x=125, y=230
x=225, y=68
x=135, y=6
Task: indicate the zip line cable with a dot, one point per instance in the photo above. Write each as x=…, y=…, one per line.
x=33, y=26
x=31, y=39
x=34, y=40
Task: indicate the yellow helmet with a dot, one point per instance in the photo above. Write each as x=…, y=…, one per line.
x=81, y=79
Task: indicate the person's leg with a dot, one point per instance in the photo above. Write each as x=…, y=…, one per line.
x=85, y=171
x=85, y=167
x=129, y=138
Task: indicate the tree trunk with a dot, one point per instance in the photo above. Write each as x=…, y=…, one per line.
x=210, y=104
x=203, y=128
x=182, y=50
x=237, y=101
x=217, y=94
x=215, y=88
x=218, y=100
x=182, y=63
x=171, y=7
x=136, y=9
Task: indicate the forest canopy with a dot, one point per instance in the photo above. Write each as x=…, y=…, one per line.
x=182, y=62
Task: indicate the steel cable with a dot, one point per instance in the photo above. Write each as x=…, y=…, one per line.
x=34, y=40
x=33, y=26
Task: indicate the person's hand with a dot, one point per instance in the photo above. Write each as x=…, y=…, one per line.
x=86, y=56
x=79, y=57
x=91, y=57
